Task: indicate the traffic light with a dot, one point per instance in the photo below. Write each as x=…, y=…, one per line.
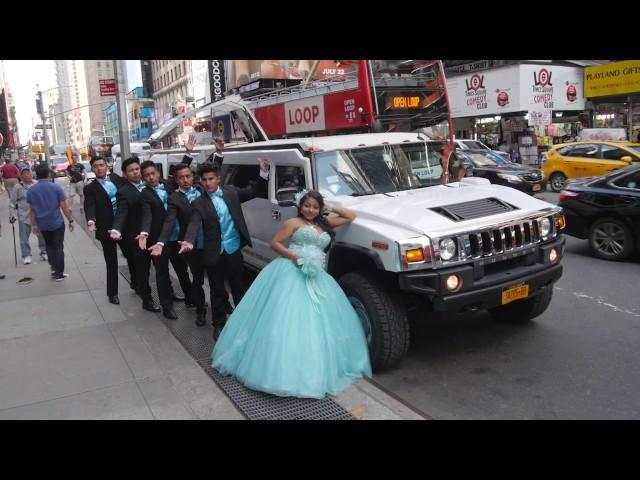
x=39, y=108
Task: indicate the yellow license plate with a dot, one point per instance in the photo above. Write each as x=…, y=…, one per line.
x=515, y=293
x=537, y=188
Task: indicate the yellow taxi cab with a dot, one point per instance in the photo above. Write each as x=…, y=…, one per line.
x=587, y=159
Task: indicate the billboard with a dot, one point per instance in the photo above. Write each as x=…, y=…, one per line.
x=516, y=88
x=242, y=72
x=200, y=82
x=615, y=78
x=217, y=80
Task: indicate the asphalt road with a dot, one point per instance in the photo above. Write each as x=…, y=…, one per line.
x=578, y=360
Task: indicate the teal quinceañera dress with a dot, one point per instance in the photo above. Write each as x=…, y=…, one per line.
x=294, y=333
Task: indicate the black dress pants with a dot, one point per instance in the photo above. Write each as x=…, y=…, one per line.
x=196, y=265
x=163, y=278
x=110, y=252
x=142, y=265
x=231, y=268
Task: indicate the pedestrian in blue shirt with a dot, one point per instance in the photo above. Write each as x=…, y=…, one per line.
x=46, y=200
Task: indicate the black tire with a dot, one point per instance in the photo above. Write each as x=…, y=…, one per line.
x=557, y=181
x=523, y=311
x=611, y=239
x=388, y=332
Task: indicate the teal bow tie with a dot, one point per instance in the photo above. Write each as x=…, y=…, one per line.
x=160, y=187
x=218, y=193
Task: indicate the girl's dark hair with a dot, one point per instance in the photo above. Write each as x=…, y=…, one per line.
x=321, y=220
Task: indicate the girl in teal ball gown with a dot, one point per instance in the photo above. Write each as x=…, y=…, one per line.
x=295, y=333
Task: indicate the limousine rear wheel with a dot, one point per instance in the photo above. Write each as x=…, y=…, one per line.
x=384, y=319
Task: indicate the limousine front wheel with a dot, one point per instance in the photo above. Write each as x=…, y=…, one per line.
x=384, y=319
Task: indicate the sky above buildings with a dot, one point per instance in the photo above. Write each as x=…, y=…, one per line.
x=25, y=77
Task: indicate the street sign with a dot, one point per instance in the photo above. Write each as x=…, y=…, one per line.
x=107, y=87
x=42, y=127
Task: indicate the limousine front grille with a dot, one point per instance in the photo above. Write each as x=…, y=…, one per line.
x=503, y=239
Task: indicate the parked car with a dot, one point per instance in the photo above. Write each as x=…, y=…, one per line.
x=59, y=165
x=496, y=169
x=582, y=159
x=606, y=211
x=468, y=144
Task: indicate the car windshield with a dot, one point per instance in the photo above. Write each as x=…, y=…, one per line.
x=379, y=169
x=635, y=149
x=487, y=159
x=473, y=145
x=59, y=160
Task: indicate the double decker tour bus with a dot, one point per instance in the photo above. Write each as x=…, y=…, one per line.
x=357, y=96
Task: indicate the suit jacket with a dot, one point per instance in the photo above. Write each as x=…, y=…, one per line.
x=178, y=209
x=97, y=205
x=153, y=212
x=204, y=212
x=128, y=218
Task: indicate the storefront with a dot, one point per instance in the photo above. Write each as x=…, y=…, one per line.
x=614, y=90
x=506, y=104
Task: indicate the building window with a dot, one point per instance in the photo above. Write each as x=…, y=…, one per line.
x=99, y=64
x=179, y=70
x=184, y=67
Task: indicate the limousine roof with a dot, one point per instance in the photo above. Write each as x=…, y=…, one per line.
x=334, y=142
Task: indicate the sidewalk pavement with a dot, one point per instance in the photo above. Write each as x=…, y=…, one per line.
x=67, y=353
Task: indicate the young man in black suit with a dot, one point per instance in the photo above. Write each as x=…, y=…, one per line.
x=99, y=210
x=155, y=199
x=180, y=209
x=126, y=224
x=219, y=214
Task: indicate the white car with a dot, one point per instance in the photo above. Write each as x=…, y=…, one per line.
x=416, y=244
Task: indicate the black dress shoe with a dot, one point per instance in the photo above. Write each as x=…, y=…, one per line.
x=189, y=304
x=132, y=286
x=150, y=306
x=169, y=313
x=228, y=309
x=201, y=321
x=178, y=298
x=114, y=299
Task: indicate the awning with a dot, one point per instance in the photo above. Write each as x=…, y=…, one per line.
x=232, y=103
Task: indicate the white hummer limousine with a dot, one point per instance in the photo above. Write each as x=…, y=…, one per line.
x=417, y=245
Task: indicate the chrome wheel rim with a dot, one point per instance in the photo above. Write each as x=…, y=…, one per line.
x=609, y=239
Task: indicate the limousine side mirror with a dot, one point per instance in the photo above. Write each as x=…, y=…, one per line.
x=285, y=196
x=627, y=159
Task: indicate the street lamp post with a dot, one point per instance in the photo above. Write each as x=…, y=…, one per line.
x=43, y=117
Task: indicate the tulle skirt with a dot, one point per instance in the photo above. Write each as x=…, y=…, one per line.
x=293, y=335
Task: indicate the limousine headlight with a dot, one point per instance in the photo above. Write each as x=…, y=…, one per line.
x=545, y=228
x=447, y=248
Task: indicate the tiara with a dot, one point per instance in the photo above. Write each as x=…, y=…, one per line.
x=298, y=196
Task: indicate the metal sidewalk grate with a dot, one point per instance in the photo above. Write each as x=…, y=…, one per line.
x=198, y=341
